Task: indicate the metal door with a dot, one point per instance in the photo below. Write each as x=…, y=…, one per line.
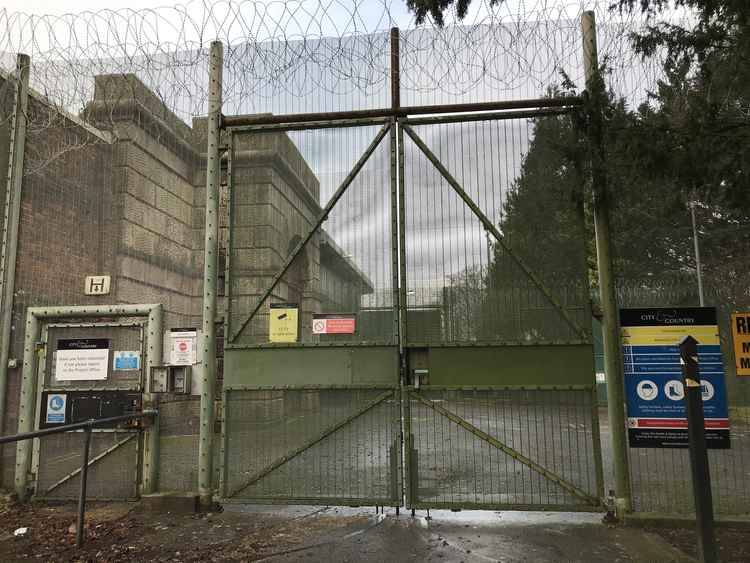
x=114, y=468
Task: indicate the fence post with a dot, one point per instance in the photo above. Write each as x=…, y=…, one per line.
x=600, y=203
x=154, y=343
x=26, y=404
x=14, y=186
x=210, y=276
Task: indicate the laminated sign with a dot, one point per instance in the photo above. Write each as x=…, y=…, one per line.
x=56, y=405
x=183, y=351
x=82, y=359
x=283, y=322
x=654, y=380
x=127, y=360
x=741, y=340
x=334, y=324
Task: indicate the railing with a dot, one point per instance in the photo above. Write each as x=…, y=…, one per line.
x=87, y=426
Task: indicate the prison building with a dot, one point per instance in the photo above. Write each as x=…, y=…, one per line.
x=119, y=190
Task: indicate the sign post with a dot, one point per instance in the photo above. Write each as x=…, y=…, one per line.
x=704, y=511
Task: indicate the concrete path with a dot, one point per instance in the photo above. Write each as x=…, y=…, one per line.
x=470, y=537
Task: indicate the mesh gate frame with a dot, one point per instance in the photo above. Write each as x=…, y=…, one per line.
x=591, y=499
x=399, y=125
x=132, y=435
x=36, y=317
x=385, y=395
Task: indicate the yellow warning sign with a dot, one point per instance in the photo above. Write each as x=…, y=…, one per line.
x=741, y=339
x=666, y=335
x=283, y=322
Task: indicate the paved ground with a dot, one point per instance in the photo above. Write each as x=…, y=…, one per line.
x=471, y=537
x=119, y=532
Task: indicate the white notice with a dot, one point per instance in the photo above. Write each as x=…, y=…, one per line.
x=82, y=360
x=183, y=350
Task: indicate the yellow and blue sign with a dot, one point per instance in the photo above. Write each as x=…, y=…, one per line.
x=654, y=380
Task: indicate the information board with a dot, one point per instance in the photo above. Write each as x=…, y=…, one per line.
x=653, y=376
x=82, y=359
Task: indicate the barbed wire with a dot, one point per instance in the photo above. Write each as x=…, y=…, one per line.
x=318, y=55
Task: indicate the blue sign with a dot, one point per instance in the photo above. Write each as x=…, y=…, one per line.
x=127, y=360
x=654, y=380
x=56, y=408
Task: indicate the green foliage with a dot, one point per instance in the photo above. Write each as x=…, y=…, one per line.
x=689, y=143
x=437, y=8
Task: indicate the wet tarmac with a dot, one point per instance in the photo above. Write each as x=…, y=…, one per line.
x=469, y=537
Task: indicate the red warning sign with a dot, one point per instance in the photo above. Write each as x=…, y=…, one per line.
x=334, y=324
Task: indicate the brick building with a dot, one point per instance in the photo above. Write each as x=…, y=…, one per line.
x=120, y=191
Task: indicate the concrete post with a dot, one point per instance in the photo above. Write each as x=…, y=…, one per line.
x=210, y=277
x=612, y=361
x=12, y=218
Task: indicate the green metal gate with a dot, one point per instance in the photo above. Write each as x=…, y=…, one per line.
x=315, y=420
x=501, y=409
x=472, y=356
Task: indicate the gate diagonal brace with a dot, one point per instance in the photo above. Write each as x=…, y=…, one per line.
x=310, y=443
x=321, y=219
x=518, y=456
x=492, y=229
x=92, y=461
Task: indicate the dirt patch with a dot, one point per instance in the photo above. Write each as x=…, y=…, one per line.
x=733, y=545
x=120, y=532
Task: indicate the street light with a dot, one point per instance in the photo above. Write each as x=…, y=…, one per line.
x=697, y=254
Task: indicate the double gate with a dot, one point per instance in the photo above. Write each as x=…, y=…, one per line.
x=461, y=371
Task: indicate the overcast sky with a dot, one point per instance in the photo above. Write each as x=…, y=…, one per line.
x=58, y=7
x=484, y=63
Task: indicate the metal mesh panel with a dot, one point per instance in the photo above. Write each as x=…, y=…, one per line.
x=179, y=425
x=114, y=476
x=346, y=267
x=452, y=466
x=121, y=339
x=462, y=283
x=656, y=265
x=661, y=478
x=316, y=445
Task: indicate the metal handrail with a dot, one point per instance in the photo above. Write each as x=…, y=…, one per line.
x=87, y=426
